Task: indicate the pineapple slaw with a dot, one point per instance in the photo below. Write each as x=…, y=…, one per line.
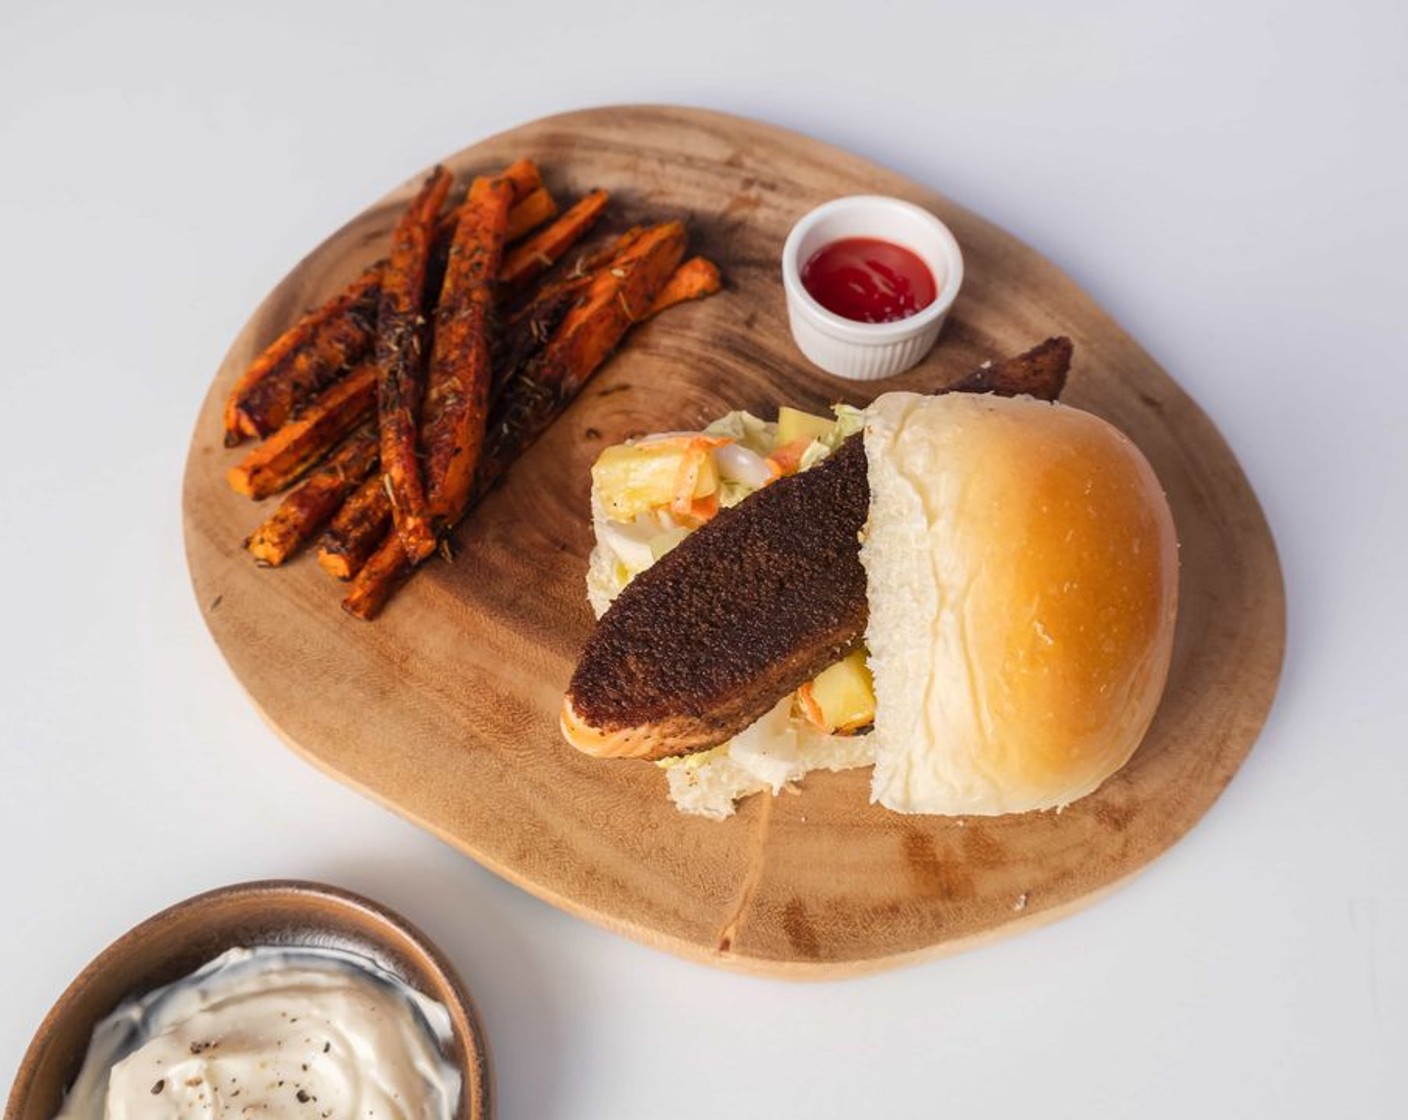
x=651, y=493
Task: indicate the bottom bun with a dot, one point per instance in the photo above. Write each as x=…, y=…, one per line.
x=1022, y=574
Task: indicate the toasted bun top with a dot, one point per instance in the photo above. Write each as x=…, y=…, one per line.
x=1022, y=576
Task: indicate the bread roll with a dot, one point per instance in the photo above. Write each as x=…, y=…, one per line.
x=1022, y=579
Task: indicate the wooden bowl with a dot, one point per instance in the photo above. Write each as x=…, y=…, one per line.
x=177, y=941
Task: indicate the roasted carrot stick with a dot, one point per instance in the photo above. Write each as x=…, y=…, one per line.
x=401, y=364
x=356, y=530
x=578, y=276
x=320, y=348
x=534, y=255
x=601, y=256
x=528, y=332
x=618, y=296
x=531, y=212
x=303, y=361
x=587, y=333
x=695, y=279
x=527, y=213
x=315, y=350
x=531, y=206
x=524, y=176
x=307, y=509
x=283, y=457
x=530, y=327
x=460, y=374
x=385, y=570
x=534, y=399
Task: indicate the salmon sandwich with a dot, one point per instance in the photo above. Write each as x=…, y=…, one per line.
x=973, y=591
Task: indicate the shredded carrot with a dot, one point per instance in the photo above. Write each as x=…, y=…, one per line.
x=810, y=708
x=787, y=459
x=703, y=509
x=696, y=453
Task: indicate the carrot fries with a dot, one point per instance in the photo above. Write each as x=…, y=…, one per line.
x=532, y=211
x=535, y=398
x=303, y=361
x=308, y=508
x=401, y=365
x=395, y=406
x=695, y=279
x=536, y=254
x=460, y=374
x=356, y=530
x=279, y=461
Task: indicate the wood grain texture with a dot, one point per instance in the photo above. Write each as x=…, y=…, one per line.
x=445, y=709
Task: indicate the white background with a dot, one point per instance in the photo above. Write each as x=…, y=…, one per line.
x=1229, y=180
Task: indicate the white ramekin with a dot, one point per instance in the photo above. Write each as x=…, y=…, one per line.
x=869, y=351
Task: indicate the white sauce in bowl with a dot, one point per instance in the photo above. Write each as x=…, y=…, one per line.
x=272, y=1034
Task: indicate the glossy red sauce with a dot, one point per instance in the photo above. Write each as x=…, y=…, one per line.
x=868, y=280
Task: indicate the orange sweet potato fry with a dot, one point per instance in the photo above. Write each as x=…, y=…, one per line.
x=528, y=331
x=378, y=579
x=401, y=364
x=601, y=256
x=536, y=254
x=532, y=211
x=527, y=184
x=617, y=297
x=356, y=530
x=533, y=400
x=460, y=374
x=303, y=361
x=696, y=278
x=529, y=328
x=614, y=299
x=316, y=499
x=524, y=176
x=328, y=339
x=280, y=460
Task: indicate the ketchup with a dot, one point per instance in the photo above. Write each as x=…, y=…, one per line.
x=868, y=280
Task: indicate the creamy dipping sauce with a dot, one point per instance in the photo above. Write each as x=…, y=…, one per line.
x=272, y=1033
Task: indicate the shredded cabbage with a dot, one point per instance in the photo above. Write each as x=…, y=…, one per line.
x=748, y=430
x=816, y=451
x=849, y=421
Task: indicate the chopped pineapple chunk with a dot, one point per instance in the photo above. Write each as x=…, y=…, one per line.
x=842, y=697
x=631, y=479
x=794, y=424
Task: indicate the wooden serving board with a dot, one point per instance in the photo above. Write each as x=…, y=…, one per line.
x=446, y=708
